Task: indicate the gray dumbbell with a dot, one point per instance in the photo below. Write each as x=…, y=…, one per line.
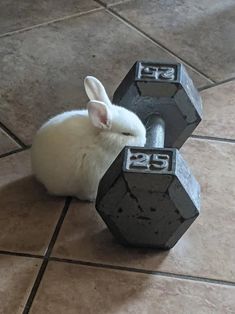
x=148, y=197
x=164, y=88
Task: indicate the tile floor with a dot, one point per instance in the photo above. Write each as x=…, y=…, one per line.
x=56, y=255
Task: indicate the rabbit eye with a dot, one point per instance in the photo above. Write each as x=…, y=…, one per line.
x=126, y=134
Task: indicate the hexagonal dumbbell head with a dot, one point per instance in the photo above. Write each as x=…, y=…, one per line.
x=148, y=197
x=164, y=88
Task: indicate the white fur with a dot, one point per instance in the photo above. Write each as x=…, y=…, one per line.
x=72, y=151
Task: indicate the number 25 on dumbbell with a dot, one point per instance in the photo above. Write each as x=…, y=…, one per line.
x=150, y=161
x=149, y=197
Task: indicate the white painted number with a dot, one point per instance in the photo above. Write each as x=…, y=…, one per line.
x=159, y=161
x=139, y=160
x=151, y=162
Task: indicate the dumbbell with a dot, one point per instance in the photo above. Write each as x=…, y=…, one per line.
x=149, y=197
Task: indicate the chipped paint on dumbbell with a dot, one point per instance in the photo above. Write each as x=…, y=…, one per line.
x=149, y=197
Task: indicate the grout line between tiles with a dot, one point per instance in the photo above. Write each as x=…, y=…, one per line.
x=12, y=135
x=67, y=17
x=15, y=151
x=11, y=253
x=159, y=44
x=216, y=84
x=106, y=5
x=212, y=138
x=105, y=266
x=46, y=257
x=143, y=271
x=35, y=287
x=147, y=36
x=58, y=227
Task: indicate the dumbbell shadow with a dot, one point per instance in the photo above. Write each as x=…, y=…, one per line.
x=85, y=237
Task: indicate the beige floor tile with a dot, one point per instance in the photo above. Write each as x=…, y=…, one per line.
x=16, y=15
x=42, y=71
x=200, y=32
x=17, y=278
x=28, y=215
x=219, y=111
x=207, y=249
x=68, y=288
x=7, y=144
x=113, y=2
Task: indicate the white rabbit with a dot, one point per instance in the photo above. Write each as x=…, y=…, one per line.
x=71, y=152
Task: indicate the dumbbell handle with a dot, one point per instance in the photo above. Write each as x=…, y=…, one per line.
x=155, y=127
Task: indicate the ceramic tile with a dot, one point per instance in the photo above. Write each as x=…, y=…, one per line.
x=16, y=15
x=42, y=71
x=200, y=32
x=219, y=112
x=28, y=215
x=79, y=289
x=207, y=249
x=113, y=2
x=7, y=144
x=17, y=278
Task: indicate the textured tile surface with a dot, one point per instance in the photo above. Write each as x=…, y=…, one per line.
x=27, y=214
x=200, y=252
x=219, y=111
x=17, y=277
x=7, y=144
x=113, y=2
x=93, y=290
x=42, y=71
x=201, y=32
x=15, y=14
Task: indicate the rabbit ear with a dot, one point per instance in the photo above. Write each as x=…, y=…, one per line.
x=95, y=90
x=99, y=114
